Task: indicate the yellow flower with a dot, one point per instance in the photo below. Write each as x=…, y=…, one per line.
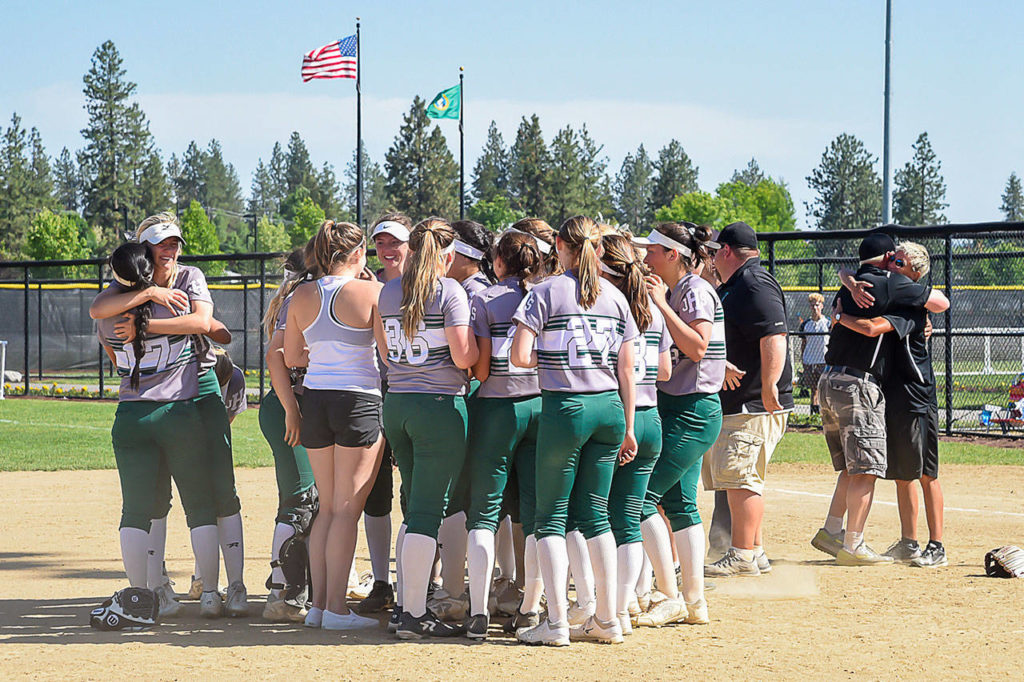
x=85, y=388
x=58, y=391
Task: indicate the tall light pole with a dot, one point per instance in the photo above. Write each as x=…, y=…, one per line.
x=886, y=190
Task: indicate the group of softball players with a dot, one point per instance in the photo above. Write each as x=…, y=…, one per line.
x=564, y=381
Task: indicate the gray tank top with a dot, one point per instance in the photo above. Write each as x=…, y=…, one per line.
x=491, y=318
x=341, y=357
x=424, y=364
x=577, y=349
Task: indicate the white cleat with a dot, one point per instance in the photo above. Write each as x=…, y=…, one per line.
x=544, y=634
x=210, y=605
x=697, y=613
x=237, y=602
x=578, y=614
x=594, y=630
x=169, y=606
x=664, y=612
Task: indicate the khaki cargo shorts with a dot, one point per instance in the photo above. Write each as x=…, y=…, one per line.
x=739, y=458
x=853, y=418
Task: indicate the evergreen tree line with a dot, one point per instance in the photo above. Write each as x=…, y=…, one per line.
x=81, y=204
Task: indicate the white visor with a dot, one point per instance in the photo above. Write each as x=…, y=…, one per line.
x=449, y=249
x=154, y=234
x=396, y=230
x=542, y=245
x=610, y=270
x=467, y=250
x=658, y=238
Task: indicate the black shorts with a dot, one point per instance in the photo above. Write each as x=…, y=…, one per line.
x=346, y=418
x=912, y=445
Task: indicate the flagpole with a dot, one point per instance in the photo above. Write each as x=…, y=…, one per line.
x=462, y=150
x=359, y=132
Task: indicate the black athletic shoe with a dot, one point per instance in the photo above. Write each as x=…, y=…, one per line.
x=394, y=620
x=476, y=626
x=521, y=620
x=426, y=625
x=933, y=556
x=381, y=598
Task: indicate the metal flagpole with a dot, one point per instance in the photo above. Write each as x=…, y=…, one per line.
x=462, y=151
x=359, y=132
x=886, y=198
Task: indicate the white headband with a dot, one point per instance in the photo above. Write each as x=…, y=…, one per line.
x=467, y=250
x=610, y=270
x=122, y=281
x=542, y=245
x=658, y=238
x=448, y=249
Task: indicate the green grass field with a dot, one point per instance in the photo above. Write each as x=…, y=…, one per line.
x=51, y=435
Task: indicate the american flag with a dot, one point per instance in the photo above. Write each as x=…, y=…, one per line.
x=336, y=60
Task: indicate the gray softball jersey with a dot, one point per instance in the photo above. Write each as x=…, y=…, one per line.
x=491, y=318
x=647, y=350
x=282, y=322
x=424, y=363
x=692, y=298
x=474, y=284
x=577, y=349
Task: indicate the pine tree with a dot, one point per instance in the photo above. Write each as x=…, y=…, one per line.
x=490, y=174
x=263, y=197
x=849, y=191
x=422, y=175
x=278, y=175
x=40, y=189
x=633, y=187
x=15, y=186
x=154, y=188
x=1013, y=200
x=298, y=168
x=676, y=174
x=565, y=177
x=528, y=168
x=751, y=175
x=375, y=196
x=65, y=181
x=326, y=192
x=223, y=196
x=190, y=181
x=920, y=189
x=118, y=144
x=596, y=198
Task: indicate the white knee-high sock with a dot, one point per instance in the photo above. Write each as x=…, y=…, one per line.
x=602, y=557
x=505, y=552
x=155, y=553
x=630, y=563
x=533, y=584
x=229, y=530
x=134, y=548
x=452, y=538
x=399, y=541
x=554, y=569
x=579, y=566
x=481, y=565
x=645, y=582
x=690, y=545
x=378, y=540
x=205, y=547
x=659, y=549
x=417, y=555
x=282, y=531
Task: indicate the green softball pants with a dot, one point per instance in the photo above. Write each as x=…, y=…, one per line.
x=578, y=440
x=150, y=438
x=503, y=434
x=690, y=425
x=629, y=484
x=427, y=433
x=291, y=464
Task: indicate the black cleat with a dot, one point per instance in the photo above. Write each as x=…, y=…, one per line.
x=522, y=620
x=426, y=625
x=381, y=598
x=394, y=620
x=476, y=626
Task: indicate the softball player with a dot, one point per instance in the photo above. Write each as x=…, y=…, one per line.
x=333, y=318
x=280, y=422
x=621, y=265
x=425, y=328
x=691, y=415
x=584, y=354
x=503, y=424
x=157, y=418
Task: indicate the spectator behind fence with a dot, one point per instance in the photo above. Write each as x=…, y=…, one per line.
x=813, y=347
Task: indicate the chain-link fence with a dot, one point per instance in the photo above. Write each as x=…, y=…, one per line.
x=44, y=314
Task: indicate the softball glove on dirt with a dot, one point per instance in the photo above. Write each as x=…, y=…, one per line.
x=1005, y=562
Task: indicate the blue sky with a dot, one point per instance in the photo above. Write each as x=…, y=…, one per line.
x=731, y=80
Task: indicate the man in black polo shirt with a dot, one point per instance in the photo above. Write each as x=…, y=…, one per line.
x=756, y=399
x=852, y=403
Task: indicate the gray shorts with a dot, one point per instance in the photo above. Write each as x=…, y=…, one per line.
x=853, y=417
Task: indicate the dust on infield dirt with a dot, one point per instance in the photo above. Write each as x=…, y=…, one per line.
x=59, y=557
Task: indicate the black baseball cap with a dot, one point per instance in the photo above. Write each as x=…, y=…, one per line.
x=875, y=245
x=738, y=234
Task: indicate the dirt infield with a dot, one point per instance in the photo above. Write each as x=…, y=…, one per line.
x=59, y=556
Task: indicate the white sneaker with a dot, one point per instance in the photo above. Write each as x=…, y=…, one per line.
x=169, y=607
x=578, y=614
x=697, y=613
x=348, y=621
x=545, y=633
x=314, y=618
x=277, y=610
x=210, y=605
x=594, y=630
x=625, y=623
x=361, y=590
x=663, y=613
x=763, y=564
x=449, y=608
x=237, y=602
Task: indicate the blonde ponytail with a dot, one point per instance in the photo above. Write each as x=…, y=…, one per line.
x=428, y=243
x=583, y=237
